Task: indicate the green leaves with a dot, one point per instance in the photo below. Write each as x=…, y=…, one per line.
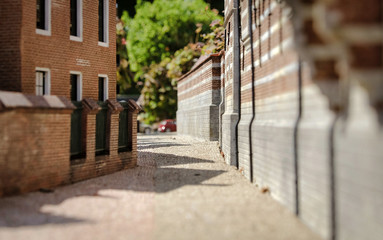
x=160, y=28
x=160, y=44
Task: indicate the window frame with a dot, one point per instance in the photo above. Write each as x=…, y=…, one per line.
x=47, y=84
x=106, y=25
x=79, y=37
x=106, y=85
x=79, y=83
x=47, y=14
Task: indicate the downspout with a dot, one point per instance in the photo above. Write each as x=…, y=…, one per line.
x=237, y=74
x=250, y=15
x=222, y=103
x=296, y=133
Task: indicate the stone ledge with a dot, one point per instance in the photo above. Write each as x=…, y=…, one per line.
x=114, y=106
x=134, y=106
x=90, y=106
x=16, y=100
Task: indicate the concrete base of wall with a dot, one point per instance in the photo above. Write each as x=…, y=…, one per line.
x=244, y=145
x=229, y=121
x=200, y=122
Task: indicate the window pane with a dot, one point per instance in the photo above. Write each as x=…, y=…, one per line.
x=73, y=18
x=73, y=87
x=100, y=89
x=40, y=14
x=44, y=82
x=101, y=21
x=40, y=83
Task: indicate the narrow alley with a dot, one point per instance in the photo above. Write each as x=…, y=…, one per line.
x=181, y=189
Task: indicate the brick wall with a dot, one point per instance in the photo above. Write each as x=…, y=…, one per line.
x=307, y=125
x=10, y=54
x=35, y=142
x=199, y=99
x=35, y=137
x=91, y=165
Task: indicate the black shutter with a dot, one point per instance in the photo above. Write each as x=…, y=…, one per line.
x=40, y=14
x=73, y=18
x=73, y=87
x=101, y=89
x=101, y=21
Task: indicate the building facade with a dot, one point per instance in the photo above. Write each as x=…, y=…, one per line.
x=300, y=111
x=64, y=48
x=52, y=40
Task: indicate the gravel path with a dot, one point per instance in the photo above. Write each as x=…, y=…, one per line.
x=181, y=190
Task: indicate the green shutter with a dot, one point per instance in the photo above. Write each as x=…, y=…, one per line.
x=76, y=150
x=101, y=124
x=123, y=133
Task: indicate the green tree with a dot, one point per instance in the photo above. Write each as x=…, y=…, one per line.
x=160, y=90
x=161, y=28
x=163, y=42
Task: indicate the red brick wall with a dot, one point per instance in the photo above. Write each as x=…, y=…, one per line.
x=34, y=142
x=211, y=72
x=10, y=56
x=56, y=52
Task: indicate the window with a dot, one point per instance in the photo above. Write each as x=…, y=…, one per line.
x=76, y=20
x=75, y=86
x=43, y=17
x=103, y=9
x=102, y=87
x=42, y=81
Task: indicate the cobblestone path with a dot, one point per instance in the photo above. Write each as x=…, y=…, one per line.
x=181, y=190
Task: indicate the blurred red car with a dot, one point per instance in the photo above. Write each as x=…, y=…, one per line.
x=168, y=125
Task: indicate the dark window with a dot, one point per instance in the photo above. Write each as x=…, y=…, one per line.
x=228, y=36
x=40, y=83
x=73, y=87
x=40, y=14
x=101, y=21
x=117, y=89
x=73, y=18
x=101, y=89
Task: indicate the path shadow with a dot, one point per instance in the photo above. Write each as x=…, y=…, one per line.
x=163, y=159
x=152, y=145
x=154, y=174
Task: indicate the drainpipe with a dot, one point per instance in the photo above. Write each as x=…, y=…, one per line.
x=222, y=103
x=250, y=15
x=237, y=74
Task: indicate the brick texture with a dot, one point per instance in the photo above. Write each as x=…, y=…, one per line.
x=199, y=99
x=309, y=113
x=22, y=50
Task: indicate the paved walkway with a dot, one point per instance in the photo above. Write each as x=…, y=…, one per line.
x=181, y=190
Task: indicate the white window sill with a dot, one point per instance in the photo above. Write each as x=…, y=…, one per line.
x=103, y=44
x=75, y=38
x=43, y=32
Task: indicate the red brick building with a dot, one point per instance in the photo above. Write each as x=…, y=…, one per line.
x=58, y=38
x=68, y=49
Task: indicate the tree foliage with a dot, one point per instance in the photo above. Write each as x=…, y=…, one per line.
x=125, y=77
x=160, y=90
x=160, y=44
x=161, y=28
